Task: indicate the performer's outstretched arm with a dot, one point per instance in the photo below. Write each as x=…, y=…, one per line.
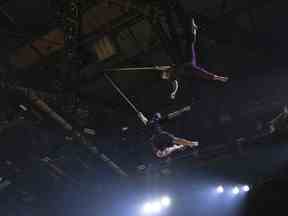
x=170, y=75
x=175, y=86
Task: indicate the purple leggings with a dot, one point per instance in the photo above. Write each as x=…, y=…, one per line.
x=195, y=69
x=186, y=59
x=190, y=65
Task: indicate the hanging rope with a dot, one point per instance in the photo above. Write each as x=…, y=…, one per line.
x=117, y=88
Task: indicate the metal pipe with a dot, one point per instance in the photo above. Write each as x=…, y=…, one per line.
x=159, y=68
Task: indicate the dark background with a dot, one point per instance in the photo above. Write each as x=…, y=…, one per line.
x=243, y=40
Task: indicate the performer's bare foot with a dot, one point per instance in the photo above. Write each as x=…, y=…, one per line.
x=221, y=79
x=194, y=144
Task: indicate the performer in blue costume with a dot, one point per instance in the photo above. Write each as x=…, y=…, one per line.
x=164, y=143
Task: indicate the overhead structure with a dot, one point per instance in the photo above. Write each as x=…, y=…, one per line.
x=79, y=137
x=72, y=22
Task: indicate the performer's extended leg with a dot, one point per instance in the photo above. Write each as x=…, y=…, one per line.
x=191, y=59
x=169, y=150
x=165, y=144
x=185, y=142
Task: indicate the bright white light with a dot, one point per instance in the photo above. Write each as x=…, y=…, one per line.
x=147, y=208
x=156, y=207
x=152, y=208
x=220, y=189
x=245, y=188
x=235, y=190
x=165, y=201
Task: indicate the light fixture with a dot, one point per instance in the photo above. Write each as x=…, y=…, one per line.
x=147, y=208
x=245, y=188
x=165, y=201
x=235, y=190
x=220, y=189
x=156, y=206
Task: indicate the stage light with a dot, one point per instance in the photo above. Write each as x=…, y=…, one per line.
x=147, y=208
x=235, y=190
x=220, y=189
x=156, y=207
x=165, y=201
x=245, y=188
x=152, y=208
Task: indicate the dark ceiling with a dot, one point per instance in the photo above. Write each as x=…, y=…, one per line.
x=245, y=40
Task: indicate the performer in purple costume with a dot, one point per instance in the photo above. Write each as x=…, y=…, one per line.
x=190, y=65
